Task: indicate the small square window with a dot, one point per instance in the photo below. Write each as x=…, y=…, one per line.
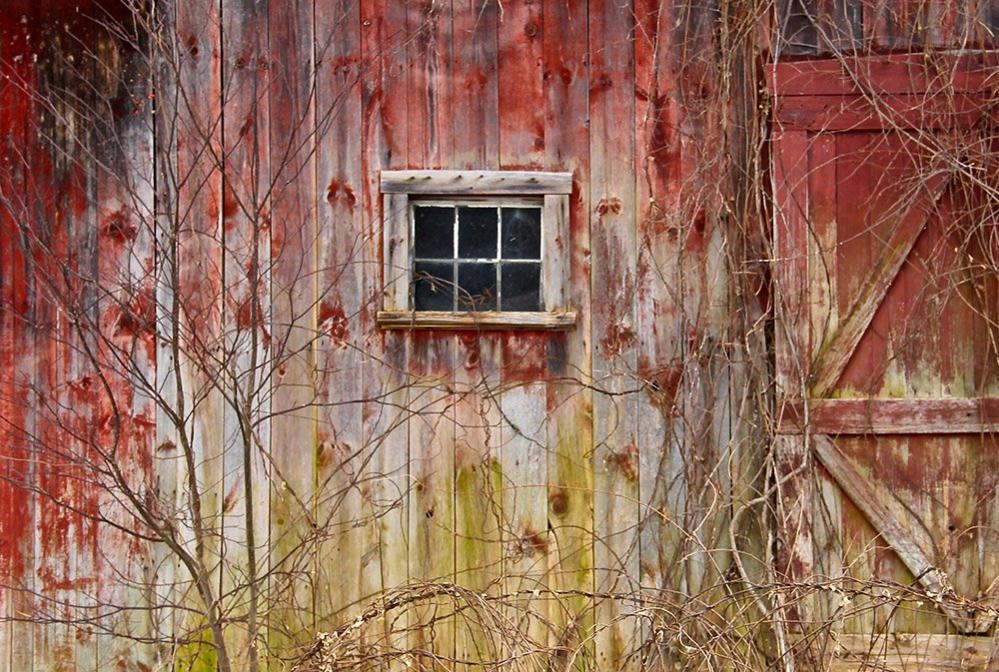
x=486, y=275
x=476, y=249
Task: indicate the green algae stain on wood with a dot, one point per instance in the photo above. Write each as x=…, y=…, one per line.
x=570, y=519
x=198, y=655
x=478, y=498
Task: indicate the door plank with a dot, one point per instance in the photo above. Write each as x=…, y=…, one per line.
x=893, y=416
x=795, y=561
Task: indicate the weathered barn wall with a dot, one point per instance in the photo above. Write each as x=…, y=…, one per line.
x=509, y=463
x=473, y=495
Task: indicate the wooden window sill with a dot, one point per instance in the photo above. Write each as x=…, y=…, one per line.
x=498, y=321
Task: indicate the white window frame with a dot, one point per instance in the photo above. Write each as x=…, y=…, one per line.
x=401, y=188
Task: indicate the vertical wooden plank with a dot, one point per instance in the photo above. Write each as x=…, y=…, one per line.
x=394, y=459
x=823, y=314
x=56, y=534
x=791, y=164
x=59, y=223
x=557, y=243
x=790, y=175
x=523, y=392
x=524, y=467
x=165, y=572
x=823, y=317
x=570, y=435
x=701, y=292
x=430, y=91
x=170, y=578
x=28, y=374
x=396, y=245
x=521, y=87
x=89, y=408
x=660, y=367
x=478, y=504
x=197, y=308
x=344, y=315
x=615, y=337
x=17, y=364
x=431, y=97
x=431, y=498
x=246, y=298
x=293, y=323
x=124, y=284
x=386, y=413
x=476, y=130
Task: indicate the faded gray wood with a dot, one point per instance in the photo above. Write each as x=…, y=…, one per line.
x=395, y=249
x=474, y=182
x=555, y=271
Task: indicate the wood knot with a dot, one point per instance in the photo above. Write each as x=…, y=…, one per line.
x=531, y=29
x=558, y=500
x=533, y=543
x=119, y=227
x=610, y=204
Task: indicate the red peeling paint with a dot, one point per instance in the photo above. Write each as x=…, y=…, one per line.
x=338, y=191
x=138, y=318
x=118, y=226
x=524, y=357
x=663, y=386
x=333, y=321
x=533, y=542
x=625, y=461
x=695, y=233
x=619, y=338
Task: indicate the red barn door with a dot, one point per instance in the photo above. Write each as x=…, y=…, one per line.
x=886, y=250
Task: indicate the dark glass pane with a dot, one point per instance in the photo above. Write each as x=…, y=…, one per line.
x=433, y=232
x=477, y=233
x=521, y=233
x=476, y=286
x=433, y=285
x=521, y=286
